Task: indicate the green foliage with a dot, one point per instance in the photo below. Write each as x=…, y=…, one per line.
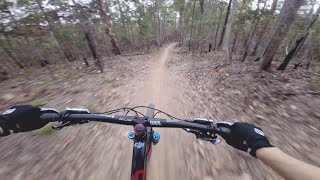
x=23, y=2
x=13, y=86
x=38, y=103
x=75, y=90
x=46, y=130
x=5, y=5
x=143, y=22
x=123, y=73
x=65, y=34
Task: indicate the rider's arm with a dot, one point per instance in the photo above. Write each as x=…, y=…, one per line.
x=251, y=139
x=286, y=166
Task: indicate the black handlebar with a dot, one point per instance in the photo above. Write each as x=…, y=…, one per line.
x=129, y=120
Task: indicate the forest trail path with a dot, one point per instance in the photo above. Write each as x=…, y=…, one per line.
x=162, y=88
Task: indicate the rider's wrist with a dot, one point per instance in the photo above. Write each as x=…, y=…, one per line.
x=265, y=151
x=260, y=144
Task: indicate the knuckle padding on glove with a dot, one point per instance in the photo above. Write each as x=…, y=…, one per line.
x=23, y=118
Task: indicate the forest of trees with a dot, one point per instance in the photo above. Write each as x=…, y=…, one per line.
x=35, y=33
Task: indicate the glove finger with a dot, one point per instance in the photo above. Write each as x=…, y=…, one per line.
x=241, y=146
x=224, y=129
x=225, y=124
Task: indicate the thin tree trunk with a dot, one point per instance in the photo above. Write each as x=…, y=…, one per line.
x=84, y=25
x=24, y=60
x=8, y=64
x=193, y=9
x=181, y=24
x=14, y=59
x=132, y=35
x=280, y=29
x=200, y=24
x=218, y=29
x=226, y=43
x=108, y=27
x=92, y=48
x=299, y=42
x=68, y=55
x=122, y=20
x=253, y=31
x=234, y=43
x=180, y=29
x=225, y=23
x=155, y=22
x=7, y=49
x=159, y=24
x=262, y=34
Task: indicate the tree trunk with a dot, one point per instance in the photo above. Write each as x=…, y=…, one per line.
x=226, y=43
x=7, y=49
x=108, y=27
x=218, y=29
x=122, y=20
x=132, y=35
x=235, y=40
x=84, y=25
x=280, y=29
x=262, y=34
x=201, y=4
x=180, y=30
x=193, y=9
x=68, y=55
x=299, y=42
x=14, y=59
x=225, y=23
x=92, y=48
x=181, y=9
x=253, y=31
x=159, y=28
x=4, y=75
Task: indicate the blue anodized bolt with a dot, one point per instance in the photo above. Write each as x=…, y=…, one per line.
x=131, y=134
x=156, y=136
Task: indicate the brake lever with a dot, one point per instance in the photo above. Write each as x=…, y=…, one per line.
x=203, y=136
x=62, y=125
x=69, y=123
x=65, y=122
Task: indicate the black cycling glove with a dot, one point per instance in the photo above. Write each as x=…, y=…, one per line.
x=244, y=136
x=21, y=119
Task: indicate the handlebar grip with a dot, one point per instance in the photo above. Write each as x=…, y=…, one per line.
x=49, y=117
x=223, y=130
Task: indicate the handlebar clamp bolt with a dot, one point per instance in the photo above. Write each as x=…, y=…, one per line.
x=155, y=137
x=131, y=134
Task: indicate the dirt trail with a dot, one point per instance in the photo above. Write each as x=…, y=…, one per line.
x=162, y=88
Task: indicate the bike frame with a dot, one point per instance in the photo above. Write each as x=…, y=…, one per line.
x=141, y=153
x=142, y=150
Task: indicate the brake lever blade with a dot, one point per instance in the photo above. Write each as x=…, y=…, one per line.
x=60, y=126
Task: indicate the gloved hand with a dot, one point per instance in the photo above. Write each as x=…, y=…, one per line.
x=21, y=119
x=243, y=136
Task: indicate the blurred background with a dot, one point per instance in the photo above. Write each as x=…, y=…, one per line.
x=253, y=61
